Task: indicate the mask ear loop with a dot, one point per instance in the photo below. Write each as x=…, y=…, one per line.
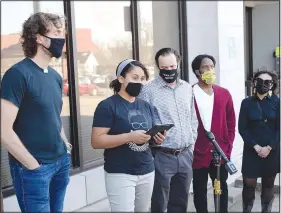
x=198, y=74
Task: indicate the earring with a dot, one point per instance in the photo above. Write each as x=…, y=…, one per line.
x=270, y=93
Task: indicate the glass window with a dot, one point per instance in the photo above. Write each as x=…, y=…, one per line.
x=50, y=7
x=11, y=53
x=60, y=64
x=146, y=36
x=158, y=28
x=102, y=41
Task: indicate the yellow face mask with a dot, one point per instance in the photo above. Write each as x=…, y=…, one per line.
x=209, y=77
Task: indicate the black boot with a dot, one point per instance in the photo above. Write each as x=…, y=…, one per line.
x=247, y=206
x=266, y=206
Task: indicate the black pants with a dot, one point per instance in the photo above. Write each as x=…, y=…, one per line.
x=200, y=181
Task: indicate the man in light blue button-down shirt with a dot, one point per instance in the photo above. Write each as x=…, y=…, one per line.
x=173, y=102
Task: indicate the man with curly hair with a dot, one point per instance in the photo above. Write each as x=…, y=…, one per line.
x=31, y=127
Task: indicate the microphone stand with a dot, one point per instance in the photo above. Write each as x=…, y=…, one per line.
x=217, y=155
x=217, y=185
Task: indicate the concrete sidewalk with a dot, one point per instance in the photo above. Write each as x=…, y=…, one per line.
x=234, y=192
x=236, y=206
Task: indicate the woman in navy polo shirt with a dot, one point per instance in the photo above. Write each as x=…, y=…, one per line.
x=119, y=127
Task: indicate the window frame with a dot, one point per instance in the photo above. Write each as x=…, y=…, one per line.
x=182, y=9
x=249, y=69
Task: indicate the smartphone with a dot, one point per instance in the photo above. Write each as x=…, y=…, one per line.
x=159, y=128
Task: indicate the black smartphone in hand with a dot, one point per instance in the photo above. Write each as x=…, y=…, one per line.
x=159, y=128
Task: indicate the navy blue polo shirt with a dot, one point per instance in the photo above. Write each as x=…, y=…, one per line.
x=38, y=96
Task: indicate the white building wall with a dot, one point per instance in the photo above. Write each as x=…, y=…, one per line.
x=231, y=57
x=202, y=32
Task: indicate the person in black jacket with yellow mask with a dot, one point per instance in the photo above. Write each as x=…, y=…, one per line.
x=259, y=126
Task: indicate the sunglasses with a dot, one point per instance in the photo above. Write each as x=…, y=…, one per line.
x=265, y=82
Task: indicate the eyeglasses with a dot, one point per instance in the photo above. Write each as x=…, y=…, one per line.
x=137, y=125
x=265, y=82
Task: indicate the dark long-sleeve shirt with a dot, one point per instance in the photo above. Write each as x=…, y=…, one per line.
x=259, y=121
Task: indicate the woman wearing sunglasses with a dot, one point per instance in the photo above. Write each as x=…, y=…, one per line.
x=259, y=126
x=119, y=127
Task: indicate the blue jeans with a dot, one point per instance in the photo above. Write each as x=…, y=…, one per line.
x=42, y=189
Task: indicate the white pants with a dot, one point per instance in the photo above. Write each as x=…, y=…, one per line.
x=129, y=193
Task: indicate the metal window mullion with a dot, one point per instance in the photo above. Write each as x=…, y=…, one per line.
x=74, y=99
x=182, y=11
x=135, y=29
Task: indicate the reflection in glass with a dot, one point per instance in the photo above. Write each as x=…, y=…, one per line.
x=102, y=42
x=146, y=52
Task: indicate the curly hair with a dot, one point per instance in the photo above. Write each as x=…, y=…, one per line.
x=273, y=75
x=38, y=23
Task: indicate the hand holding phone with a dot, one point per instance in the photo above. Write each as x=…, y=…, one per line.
x=139, y=136
x=159, y=137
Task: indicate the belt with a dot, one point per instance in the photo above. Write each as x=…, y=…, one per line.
x=170, y=150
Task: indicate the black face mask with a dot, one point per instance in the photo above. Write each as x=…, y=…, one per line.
x=262, y=87
x=134, y=89
x=56, y=46
x=169, y=75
